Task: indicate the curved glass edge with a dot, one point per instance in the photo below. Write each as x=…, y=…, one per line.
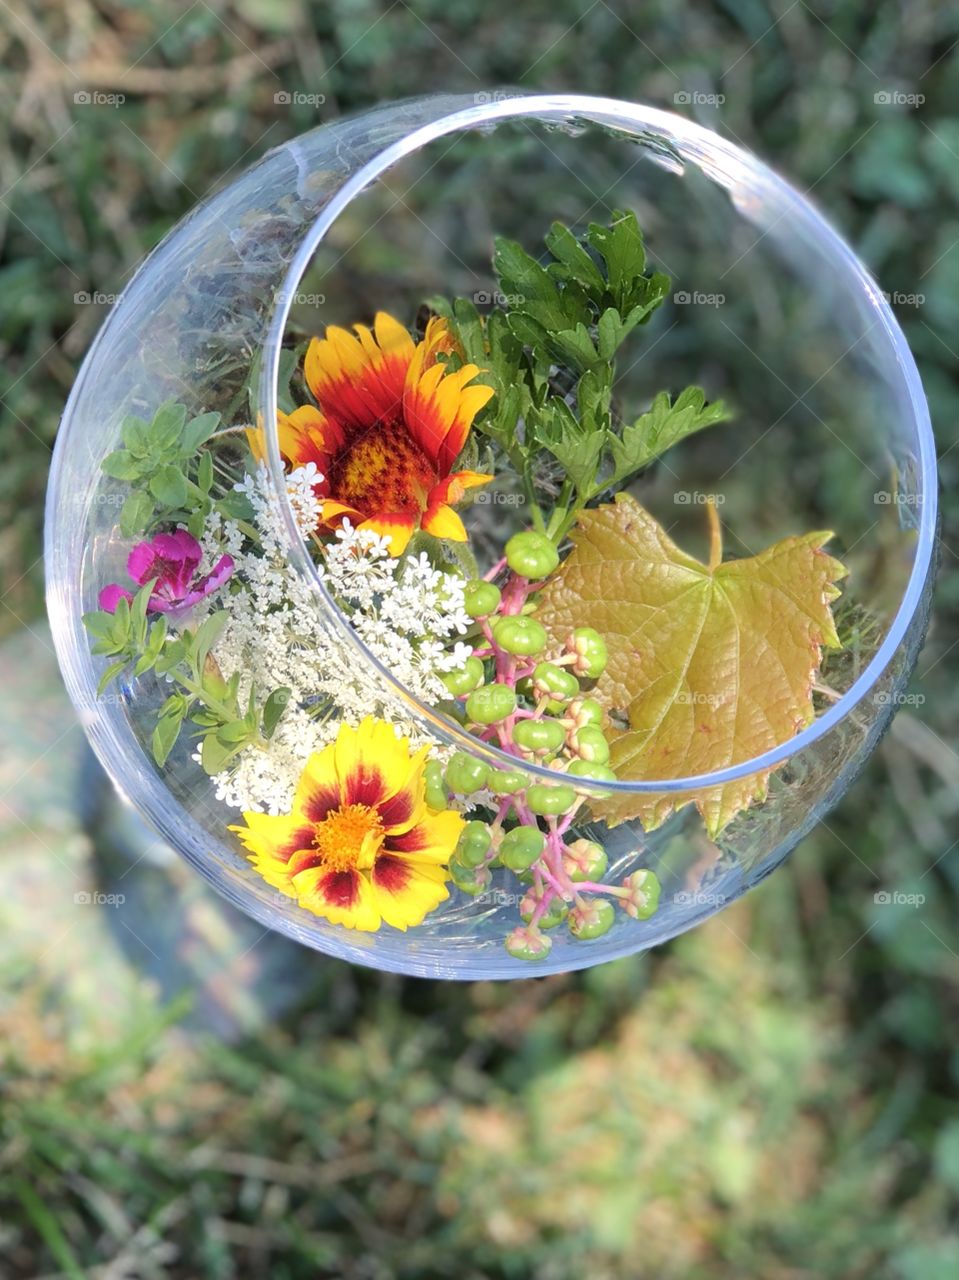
x=726, y=164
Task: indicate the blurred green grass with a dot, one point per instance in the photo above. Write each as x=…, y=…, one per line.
x=771, y=1096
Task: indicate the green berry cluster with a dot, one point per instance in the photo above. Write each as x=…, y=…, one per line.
x=533, y=700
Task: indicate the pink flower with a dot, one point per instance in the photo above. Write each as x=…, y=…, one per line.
x=171, y=558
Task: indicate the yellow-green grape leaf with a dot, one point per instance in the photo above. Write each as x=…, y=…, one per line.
x=709, y=664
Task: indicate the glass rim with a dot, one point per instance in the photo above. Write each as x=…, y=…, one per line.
x=465, y=112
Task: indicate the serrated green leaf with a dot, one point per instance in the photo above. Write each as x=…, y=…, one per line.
x=169, y=486
x=709, y=664
x=663, y=425
x=573, y=262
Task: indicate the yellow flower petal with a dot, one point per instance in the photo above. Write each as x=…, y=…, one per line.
x=405, y=892
x=342, y=897
x=432, y=839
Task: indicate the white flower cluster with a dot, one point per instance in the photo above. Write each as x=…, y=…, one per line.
x=280, y=635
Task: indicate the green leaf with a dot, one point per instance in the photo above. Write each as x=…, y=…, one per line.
x=662, y=426
x=173, y=653
x=235, y=506
x=710, y=664
x=204, y=472
x=99, y=623
x=121, y=465
x=138, y=612
x=573, y=261
x=151, y=653
x=215, y=755
x=235, y=732
x=273, y=710
x=135, y=434
x=166, y=733
x=197, y=432
x=136, y=513
x=169, y=486
x=207, y=634
x=167, y=426
x=111, y=673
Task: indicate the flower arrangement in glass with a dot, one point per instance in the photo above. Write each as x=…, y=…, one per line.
x=396, y=589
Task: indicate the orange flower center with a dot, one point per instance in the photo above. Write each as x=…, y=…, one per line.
x=348, y=839
x=383, y=470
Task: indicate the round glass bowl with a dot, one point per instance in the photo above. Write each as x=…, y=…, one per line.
x=769, y=309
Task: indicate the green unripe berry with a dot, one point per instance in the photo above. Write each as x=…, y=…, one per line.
x=521, y=847
x=531, y=555
x=644, y=890
x=585, y=711
x=539, y=737
x=585, y=860
x=590, y=650
x=556, y=682
x=591, y=920
x=464, y=679
x=519, y=635
x=491, y=703
x=589, y=769
x=465, y=774
x=506, y=782
x=472, y=880
x=543, y=799
x=434, y=787
x=555, y=913
x=590, y=744
x=480, y=598
x=526, y=942
x=473, y=844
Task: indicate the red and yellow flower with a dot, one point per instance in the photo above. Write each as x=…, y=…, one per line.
x=360, y=846
x=390, y=425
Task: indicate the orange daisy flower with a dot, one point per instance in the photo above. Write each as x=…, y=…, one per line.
x=360, y=845
x=390, y=424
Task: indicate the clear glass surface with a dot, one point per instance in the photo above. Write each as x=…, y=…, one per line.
x=770, y=309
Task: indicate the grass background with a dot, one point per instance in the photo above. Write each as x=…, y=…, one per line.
x=771, y=1096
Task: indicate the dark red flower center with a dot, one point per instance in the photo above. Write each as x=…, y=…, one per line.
x=382, y=469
